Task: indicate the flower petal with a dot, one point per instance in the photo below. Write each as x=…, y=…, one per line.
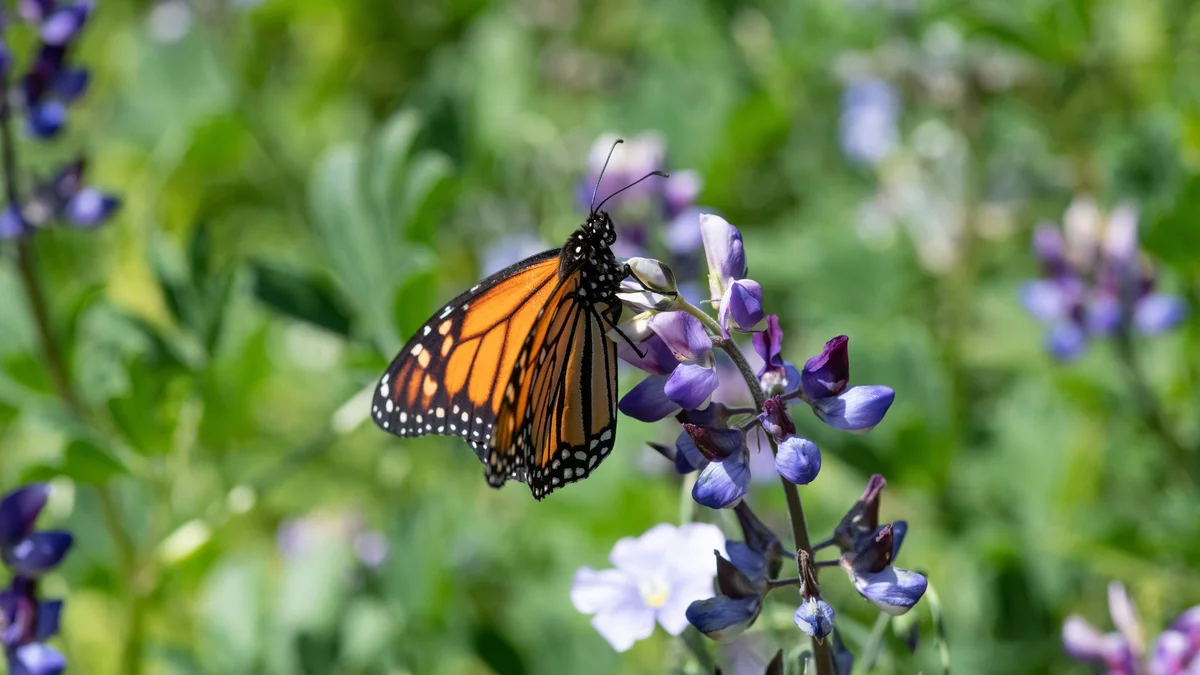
x=723, y=250
x=815, y=618
x=672, y=615
x=827, y=373
x=648, y=554
x=46, y=118
x=1103, y=314
x=775, y=419
x=722, y=618
x=11, y=225
x=1083, y=642
x=64, y=24
x=90, y=207
x=899, y=530
x=716, y=444
x=768, y=344
x=49, y=614
x=38, y=553
x=648, y=401
x=741, y=302
x=679, y=193
x=683, y=334
x=1051, y=248
x=1125, y=617
x=1065, y=341
x=1045, y=300
x=36, y=658
x=722, y=484
x=593, y=590
x=752, y=563
x=19, y=510
x=1158, y=313
x=894, y=590
x=623, y=625
x=690, y=385
x=658, y=359
x=798, y=460
x=688, y=457
x=859, y=409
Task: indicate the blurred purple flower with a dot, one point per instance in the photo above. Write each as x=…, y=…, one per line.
x=510, y=249
x=1096, y=281
x=868, y=127
x=1176, y=651
x=655, y=577
x=26, y=620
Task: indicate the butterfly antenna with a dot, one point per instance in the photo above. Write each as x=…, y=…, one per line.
x=598, y=178
x=652, y=173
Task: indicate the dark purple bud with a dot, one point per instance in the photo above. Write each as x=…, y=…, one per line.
x=875, y=555
x=775, y=667
x=688, y=457
x=750, y=562
x=768, y=344
x=827, y=373
x=69, y=180
x=49, y=617
x=731, y=581
x=63, y=25
x=775, y=419
x=798, y=460
x=46, y=119
x=899, y=530
x=712, y=415
x=90, y=207
x=760, y=538
x=19, y=510
x=715, y=444
x=863, y=518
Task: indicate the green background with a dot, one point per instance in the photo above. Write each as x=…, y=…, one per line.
x=305, y=181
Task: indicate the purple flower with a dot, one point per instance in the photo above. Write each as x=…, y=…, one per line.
x=775, y=419
x=655, y=578
x=760, y=539
x=892, y=589
x=815, y=618
x=726, y=616
x=862, y=520
x=1178, y=648
x=739, y=300
x=28, y=621
x=722, y=484
x=823, y=384
x=868, y=128
x=63, y=25
x=798, y=460
x=694, y=378
x=1096, y=281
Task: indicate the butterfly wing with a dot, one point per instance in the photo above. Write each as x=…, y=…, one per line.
x=558, y=416
x=450, y=377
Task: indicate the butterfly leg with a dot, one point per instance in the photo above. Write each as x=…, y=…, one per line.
x=611, y=324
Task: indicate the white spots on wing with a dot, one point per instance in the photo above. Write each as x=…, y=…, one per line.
x=478, y=420
x=427, y=331
x=441, y=412
x=592, y=461
x=465, y=416
x=580, y=455
x=566, y=453
x=419, y=420
x=446, y=312
x=417, y=349
x=606, y=435
x=389, y=406
x=568, y=472
x=403, y=417
x=385, y=424
x=593, y=444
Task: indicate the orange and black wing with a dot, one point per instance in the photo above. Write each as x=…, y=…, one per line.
x=451, y=376
x=558, y=418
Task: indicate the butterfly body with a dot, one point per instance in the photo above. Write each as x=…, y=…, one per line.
x=520, y=366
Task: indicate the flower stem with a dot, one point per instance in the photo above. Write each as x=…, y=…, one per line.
x=1179, y=456
x=821, y=652
x=52, y=354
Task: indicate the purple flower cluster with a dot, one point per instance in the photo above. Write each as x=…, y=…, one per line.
x=1096, y=281
x=1124, y=652
x=49, y=84
x=682, y=349
x=26, y=621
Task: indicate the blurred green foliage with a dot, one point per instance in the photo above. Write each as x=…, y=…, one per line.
x=305, y=181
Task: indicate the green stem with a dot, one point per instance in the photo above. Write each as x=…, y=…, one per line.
x=52, y=354
x=821, y=651
x=873, y=645
x=1179, y=456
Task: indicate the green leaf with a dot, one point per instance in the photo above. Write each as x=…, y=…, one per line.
x=88, y=463
x=231, y=609
x=302, y=297
x=414, y=301
x=1174, y=236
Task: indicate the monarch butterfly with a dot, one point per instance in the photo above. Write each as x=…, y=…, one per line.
x=520, y=365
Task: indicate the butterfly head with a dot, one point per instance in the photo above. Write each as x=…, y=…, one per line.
x=599, y=228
